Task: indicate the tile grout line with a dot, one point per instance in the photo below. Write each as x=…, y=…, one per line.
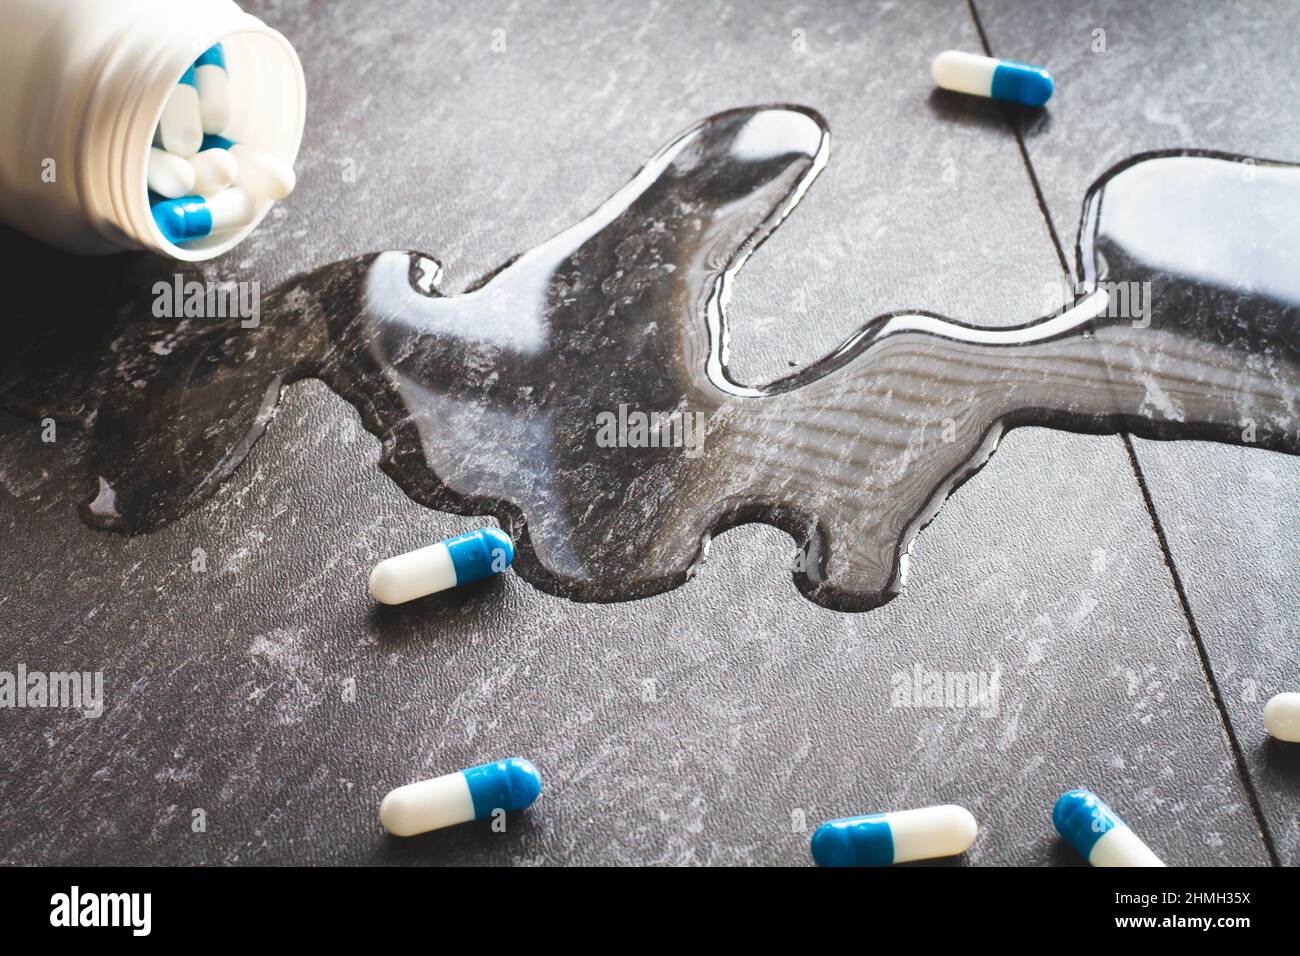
x=1234, y=745
x=1238, y=755
x=1024, y=156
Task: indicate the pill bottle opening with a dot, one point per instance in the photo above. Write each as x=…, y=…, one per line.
x=269, y=104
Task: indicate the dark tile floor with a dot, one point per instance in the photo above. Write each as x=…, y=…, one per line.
x=720, y=722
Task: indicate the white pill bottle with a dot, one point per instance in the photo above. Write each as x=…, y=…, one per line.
x=82, y=86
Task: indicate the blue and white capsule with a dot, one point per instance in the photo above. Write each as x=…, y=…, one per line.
x=880, y=839
x=212, y=81
x=1097, y=832
x=448, y=564
x=474, y=794
x=986, y=76
x=196, y=217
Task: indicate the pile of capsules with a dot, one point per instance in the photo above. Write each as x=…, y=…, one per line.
x=878, y=839
x=200, y=182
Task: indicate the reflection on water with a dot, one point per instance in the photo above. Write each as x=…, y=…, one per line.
x=492, y=401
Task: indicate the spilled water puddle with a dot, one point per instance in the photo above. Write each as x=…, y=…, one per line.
x=580, y=393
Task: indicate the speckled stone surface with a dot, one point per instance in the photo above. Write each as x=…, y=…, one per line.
x=718, y=723
x=1210, y=76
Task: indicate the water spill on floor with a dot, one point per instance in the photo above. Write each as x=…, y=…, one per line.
x=580, y=394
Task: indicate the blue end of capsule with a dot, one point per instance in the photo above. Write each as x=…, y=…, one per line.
x=212, y=56
x=1083, y=818
x=181, y=220
x=213, y=141
x=1022, y=83
x=480, y=554
x=188, y=78
x=854, y=841
x=505, y=785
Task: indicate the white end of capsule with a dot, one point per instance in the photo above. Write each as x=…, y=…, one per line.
x=181, y=127
x=214, y=170
x=1282, y=717
x=428, y=805
x=231, y=209
x=262, y=174
x=1120, y=846
x=413, y=575
x=930, y=832
x=964, y=72
x=213, y=85
x=170, y=176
